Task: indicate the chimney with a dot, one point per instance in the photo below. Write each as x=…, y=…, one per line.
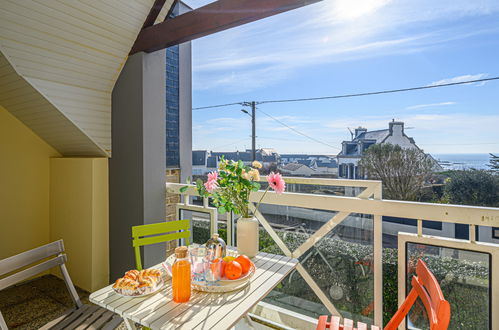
x=396, y=127
x=359, y=130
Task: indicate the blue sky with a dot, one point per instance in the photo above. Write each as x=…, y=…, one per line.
x=351, y=46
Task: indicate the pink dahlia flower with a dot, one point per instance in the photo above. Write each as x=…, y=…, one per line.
x=211, y=184
x=276, y=182
x=213, y=176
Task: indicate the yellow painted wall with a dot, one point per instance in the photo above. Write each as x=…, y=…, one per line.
x=24, y=187
x=79, y=215
x=45, y=197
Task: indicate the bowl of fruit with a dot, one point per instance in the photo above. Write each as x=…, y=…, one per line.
x=234, y=272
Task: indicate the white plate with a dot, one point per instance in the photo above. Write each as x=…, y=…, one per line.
x=158, y=287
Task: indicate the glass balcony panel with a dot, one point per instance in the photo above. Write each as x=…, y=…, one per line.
x=340, y=263
x=464, y=277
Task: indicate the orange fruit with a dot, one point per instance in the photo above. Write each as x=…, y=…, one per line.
x=233, y=270
x=245, y=262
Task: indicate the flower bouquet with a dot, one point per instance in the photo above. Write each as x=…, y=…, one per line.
x=230, y=188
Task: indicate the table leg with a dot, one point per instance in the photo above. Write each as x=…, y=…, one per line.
x=130, y=325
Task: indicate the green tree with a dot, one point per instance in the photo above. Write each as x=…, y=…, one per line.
x=472, y=187
x=494, y=163
x=403, y=172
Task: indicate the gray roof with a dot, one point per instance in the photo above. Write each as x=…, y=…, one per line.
x=378, y=135
x=293, y=166
x=305, y=162
x=198, y=157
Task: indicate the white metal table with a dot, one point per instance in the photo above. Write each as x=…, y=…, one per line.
x=204, y=310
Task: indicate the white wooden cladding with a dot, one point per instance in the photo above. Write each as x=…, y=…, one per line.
x=204, y=310
x=35, y=111
x=70, y=53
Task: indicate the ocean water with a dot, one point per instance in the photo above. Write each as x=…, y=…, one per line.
x=463, y=161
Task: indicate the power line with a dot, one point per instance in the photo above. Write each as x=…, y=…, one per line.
x=357, y=94
x=219, y=106
x=381, y=92
x=297, y=131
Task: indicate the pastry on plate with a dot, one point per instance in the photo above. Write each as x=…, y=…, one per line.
x=126, y=286
x=132, y=274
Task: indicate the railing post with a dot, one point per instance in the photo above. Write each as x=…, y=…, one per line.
x=378, y=262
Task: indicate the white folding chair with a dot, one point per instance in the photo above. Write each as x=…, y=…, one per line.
x=82, y=316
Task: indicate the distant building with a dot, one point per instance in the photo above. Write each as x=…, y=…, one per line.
x=204, y=161
x=297, y=169
x=325, y=167
x=304, y=158
x=322, y=165
x=352, y=151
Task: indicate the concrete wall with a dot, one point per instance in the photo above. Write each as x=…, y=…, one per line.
x=185, y=111
x=24, y=187
x=79, y=215
x=138, y=163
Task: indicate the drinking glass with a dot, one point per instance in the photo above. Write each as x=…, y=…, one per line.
x=214, y=271
x=199, y=262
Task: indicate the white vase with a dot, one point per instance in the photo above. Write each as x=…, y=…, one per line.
x=247, y=236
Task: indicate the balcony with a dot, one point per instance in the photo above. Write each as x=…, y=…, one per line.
x=357, y=250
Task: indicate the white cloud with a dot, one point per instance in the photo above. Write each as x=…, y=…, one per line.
x=435, y=133
x=429, y=105
x=264, y=53
x=462, y=78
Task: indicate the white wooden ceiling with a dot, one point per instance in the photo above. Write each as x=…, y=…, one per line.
x=60, y=60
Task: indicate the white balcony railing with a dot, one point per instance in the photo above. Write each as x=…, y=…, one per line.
x=368, y=200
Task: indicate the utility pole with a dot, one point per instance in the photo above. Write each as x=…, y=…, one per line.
x=253, y=129
x=253, y=125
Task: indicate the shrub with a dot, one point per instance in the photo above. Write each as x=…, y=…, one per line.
x=472, y=187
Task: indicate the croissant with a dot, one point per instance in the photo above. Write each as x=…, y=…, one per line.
x=125, y=284
x=148, y=273
x=149, y=281
x=132, y=274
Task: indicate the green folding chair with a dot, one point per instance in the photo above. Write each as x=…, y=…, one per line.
x=158, y=233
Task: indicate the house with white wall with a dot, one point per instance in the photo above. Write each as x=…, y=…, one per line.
x=353, y=150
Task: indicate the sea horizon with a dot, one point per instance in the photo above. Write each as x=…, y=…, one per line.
x=453, y=161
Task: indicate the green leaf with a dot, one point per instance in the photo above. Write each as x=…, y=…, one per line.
x=183, y=189
x=222, y=210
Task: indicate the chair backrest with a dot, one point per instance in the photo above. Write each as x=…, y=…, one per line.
x=426, y=287
x=158, y=233
x=44, y=258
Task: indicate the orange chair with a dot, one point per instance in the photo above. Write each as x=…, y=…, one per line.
x=424, y=286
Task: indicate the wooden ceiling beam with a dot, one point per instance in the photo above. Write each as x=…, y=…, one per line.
x=214, y=17
x=154, y=13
